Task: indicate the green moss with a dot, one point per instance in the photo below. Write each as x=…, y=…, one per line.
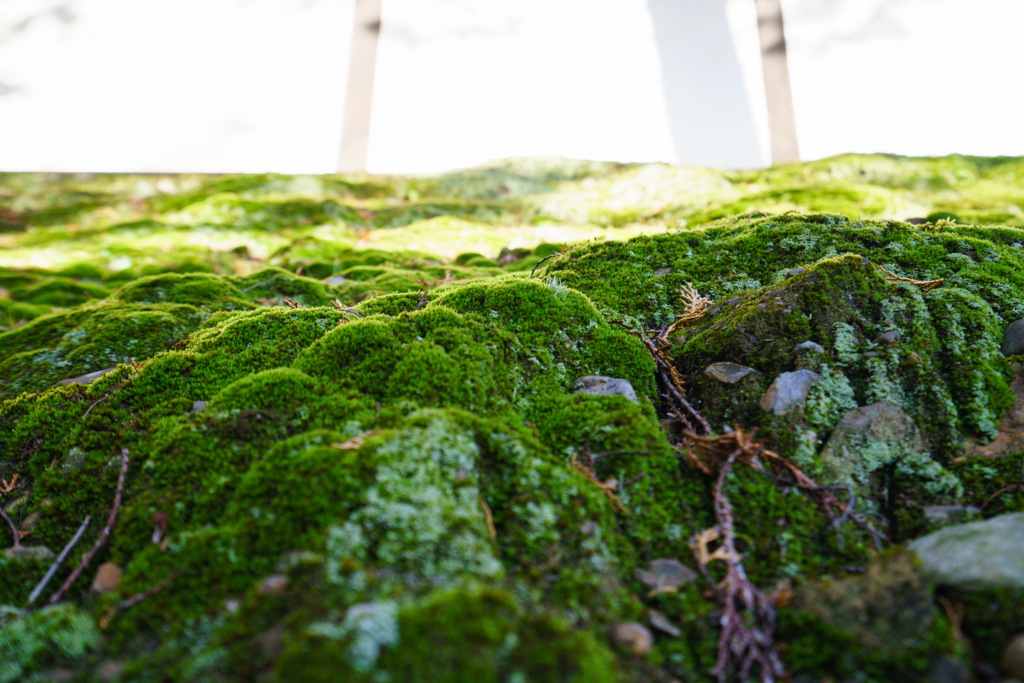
x=406, y=460
x=53, y=634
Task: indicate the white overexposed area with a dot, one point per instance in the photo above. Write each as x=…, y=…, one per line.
x=461, y=82
x=173, y=85
x=260, y=85
x=915, y=77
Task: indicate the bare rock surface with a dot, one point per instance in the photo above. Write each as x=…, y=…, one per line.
x=977, y=555
x=788, y=391
x=594, y=385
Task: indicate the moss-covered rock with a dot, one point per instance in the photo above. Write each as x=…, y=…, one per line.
x=371, y=463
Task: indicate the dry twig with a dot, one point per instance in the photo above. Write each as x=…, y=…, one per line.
x=104, y=534
x=672, y=383
x=740, y=646
x=924, y=285
x=8, y=486
x=489, y=517
x=345, y=309
x=135, y=599
x=606, y=486
x=56, y=563
x=291, y=304
x=704, y=452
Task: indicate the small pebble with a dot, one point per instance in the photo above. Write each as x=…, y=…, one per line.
x=634, y=637
x=108, y=578
x=1012, y=663
x=275, y=584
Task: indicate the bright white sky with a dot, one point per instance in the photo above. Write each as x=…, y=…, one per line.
x=258, y=85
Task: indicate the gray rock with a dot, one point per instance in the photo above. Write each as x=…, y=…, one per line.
x=890, y=337
x=199, y=406
x=728, y=373
x=795, y=271
x=977, y=555
x=336, y=280
x=946, y=670
x=1013, y=338
x=595, y=385
x=788, y=391
x=661, y=622
x=809, y=346
x=86, y=378
x=941, y=516
x=1012, y=663
x=29, y=553
x=665, y=576
x=866, y=438
x=662, y=272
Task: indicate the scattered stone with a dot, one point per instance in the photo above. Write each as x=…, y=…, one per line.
x=199, y=406
x=85, y=379
x=882, y=431
x=795, y=271
x=335, y=280
x=661, y=622
x=74, y=461
x=108, y=578
x=809, y=346
x=890, y=337
x=665, y=576
x=1010, y=434
x=1012, y=663
x=275, y=584
x=788, y=391
x=232, y=605
x=30, y=553
x=941, y=516
x=594, y=385
x=634, y=637
x=662, y=272
x=946, y=670
x=1013, y=338
x=976, y=556
x=110, y=670
x=728, y=373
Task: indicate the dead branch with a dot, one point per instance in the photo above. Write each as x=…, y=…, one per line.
x=135, y=599
x=607, y=486
x=104, y=534
x=740, y=647
x=14, y=529
x=345, y=309
x=56, y=563
x=8, y=486
x=924, y=285
x=543, y=260
x=672, y=383
x=291, y=304
x=422, y=302
x=704, y=452
x=489, y=517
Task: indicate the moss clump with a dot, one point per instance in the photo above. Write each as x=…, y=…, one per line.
x=56, y=634
x=406, y=486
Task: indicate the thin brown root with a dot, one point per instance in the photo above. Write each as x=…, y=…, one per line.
x=490, y=519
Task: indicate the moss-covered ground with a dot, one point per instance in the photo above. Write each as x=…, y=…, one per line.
x=353, y=441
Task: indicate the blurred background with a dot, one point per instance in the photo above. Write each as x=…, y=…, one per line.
x=427, y=86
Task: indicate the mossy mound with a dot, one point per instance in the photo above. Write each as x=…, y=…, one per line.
x=386, y=474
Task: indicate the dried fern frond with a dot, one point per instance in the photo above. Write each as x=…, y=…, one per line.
x=696, y=307
x=924, y=285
